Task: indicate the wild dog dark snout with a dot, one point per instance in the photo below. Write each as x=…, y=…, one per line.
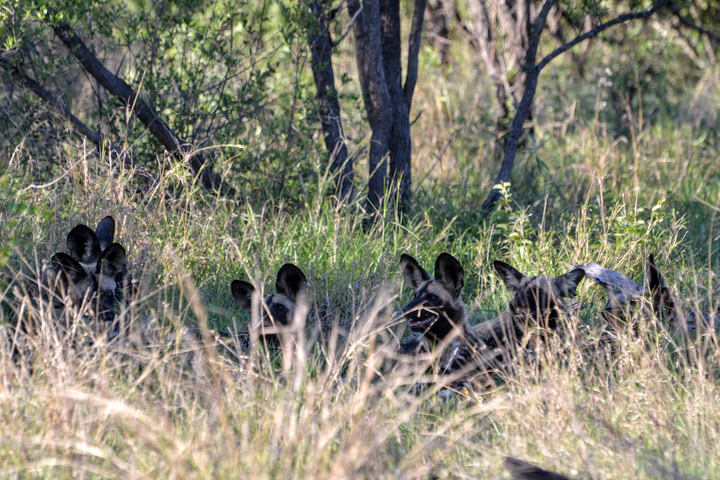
x=290, y=285
x=435, y=309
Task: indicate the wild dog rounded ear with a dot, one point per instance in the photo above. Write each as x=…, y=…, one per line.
x=656, y=283
x=111, y=261
x=414, y=274
x=290, y=281
x=62, y=262
x=450, y=273
x=242, y=292
x=509, y=275
x=566, y=285
x=105, y=232
x=83, y=244
x=655, y=278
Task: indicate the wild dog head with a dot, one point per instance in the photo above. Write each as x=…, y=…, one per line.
x=94, y=270
x=87, y=247
x=537, y=299
x=70, y=283
x=278, y=309
x=436, y=308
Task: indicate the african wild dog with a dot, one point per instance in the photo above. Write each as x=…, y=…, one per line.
x=277, y=309
x=628, y=301
x=537, y=303
x=436, y=311
x=93, y=275
x=522, y=470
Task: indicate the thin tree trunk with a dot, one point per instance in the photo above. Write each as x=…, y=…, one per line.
x=200, y=165
x=369, y=56
x=321, y=48
x=533, y=70
x=523, y=109
x=400, y=147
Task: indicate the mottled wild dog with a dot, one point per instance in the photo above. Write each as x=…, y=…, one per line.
x=436, y=309
x=537, y=303
x=628, y=301
x=437, y=312
x=93, y=275
x=277, y=309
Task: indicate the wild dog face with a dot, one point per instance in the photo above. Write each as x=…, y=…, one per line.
x=537, y=298
x=436, y=309
x=278, y=308
x=70, y=284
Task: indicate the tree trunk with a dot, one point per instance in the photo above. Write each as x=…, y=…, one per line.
x=321, y=48
x=533, y=69
x=400, y=147
x=523, y=109
x=369, y=56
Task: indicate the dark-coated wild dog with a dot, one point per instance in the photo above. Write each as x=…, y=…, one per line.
x=628, y=301
x=537, y=303
x=277, y=309
x=94, y=274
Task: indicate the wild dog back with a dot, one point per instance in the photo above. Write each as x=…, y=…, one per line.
x=628, y=301
x=537, y=302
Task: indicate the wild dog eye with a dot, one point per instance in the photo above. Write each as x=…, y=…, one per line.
x=281, y=307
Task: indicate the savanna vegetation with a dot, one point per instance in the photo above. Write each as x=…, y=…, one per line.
x=214, y=133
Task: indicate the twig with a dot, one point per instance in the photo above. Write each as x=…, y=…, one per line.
x=77, y=124
x=349, y=27
x=600, y=28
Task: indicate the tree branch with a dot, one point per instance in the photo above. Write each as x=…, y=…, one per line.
x=79, y=127
x=597, y=30
x=414, y=50
x=533, y=71
x=675, y=9
x=146, y=113
x=349, y=28
x=523, y=108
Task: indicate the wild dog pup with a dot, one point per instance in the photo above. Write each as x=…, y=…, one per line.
x=437, y=312
x=628, y=300
x=277, y=309
x=537, y=302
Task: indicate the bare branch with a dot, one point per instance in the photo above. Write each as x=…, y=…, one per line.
x=145, y=112
x=713, y=36
x=79, y=127
x=349, y=28
x=414, y=50
x=599, y=29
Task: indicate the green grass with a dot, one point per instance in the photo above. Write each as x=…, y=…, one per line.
x=152, y=406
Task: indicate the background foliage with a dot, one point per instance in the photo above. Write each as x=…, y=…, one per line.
x=623, y=162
